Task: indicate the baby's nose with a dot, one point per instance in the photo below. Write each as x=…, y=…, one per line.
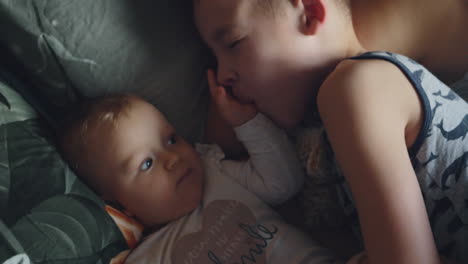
x=172, y=159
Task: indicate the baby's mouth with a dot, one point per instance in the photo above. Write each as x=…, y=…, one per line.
x=184, y=176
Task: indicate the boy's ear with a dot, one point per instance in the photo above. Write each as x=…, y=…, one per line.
x=314, y=15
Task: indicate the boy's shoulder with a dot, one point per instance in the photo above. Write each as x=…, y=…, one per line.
x=366, y=85
x=364, y=77
x=361, y=74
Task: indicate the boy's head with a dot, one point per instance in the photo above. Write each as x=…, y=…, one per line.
x=126, y=150
x=275, y=53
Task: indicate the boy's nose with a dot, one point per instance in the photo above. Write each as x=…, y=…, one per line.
x=171, y=160
x=226, y=77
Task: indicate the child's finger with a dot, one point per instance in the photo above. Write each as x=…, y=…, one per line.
x=212, y=83
x=221, y=97
x=214, y=87
x=217, y=91
x=225, y=100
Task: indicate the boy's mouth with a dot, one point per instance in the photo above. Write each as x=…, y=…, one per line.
x=184, y=176
x=228, y=89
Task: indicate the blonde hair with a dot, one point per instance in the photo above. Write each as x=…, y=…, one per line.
x=84, y=119
x=266, y=7
x=271, y=8
x=276, y=7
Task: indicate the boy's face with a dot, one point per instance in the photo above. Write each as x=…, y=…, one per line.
x=264, y=59
x=146, y=166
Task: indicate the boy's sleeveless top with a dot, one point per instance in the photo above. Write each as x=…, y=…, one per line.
x=439, y=157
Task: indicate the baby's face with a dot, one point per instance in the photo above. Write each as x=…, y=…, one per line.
x=147, y=167
x=265, y=59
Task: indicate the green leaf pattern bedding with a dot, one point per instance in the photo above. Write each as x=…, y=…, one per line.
x=74, y=49
x=45, y=211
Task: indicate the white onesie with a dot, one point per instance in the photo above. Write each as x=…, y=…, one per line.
x=234, y=223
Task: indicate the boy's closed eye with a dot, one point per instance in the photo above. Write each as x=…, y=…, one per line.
x=234, y=43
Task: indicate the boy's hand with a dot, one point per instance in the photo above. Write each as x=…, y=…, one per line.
x=232, y=111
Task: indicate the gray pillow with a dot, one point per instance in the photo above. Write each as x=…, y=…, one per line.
x=79, y=48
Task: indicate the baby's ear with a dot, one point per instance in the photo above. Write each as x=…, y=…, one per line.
x=314, y=14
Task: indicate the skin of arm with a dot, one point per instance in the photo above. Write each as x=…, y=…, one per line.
x=367, y=107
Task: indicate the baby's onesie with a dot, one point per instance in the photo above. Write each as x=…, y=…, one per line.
x=234, y=223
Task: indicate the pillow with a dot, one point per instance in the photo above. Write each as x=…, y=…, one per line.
x=131, y=229
x=79, y=48
x=46, y=213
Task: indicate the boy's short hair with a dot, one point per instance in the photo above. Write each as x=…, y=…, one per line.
x=276, y=7
x=83, y=120
x=270, y=7
x=267, y=7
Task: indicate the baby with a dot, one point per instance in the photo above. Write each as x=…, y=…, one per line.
x=207, y=209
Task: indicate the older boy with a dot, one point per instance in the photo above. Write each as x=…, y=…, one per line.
x=398, y=133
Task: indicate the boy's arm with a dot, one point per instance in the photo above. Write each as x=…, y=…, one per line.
x=366, y=107
x=273, y=172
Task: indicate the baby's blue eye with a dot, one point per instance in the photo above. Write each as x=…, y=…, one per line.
x=172, y=140
x=146, y=164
